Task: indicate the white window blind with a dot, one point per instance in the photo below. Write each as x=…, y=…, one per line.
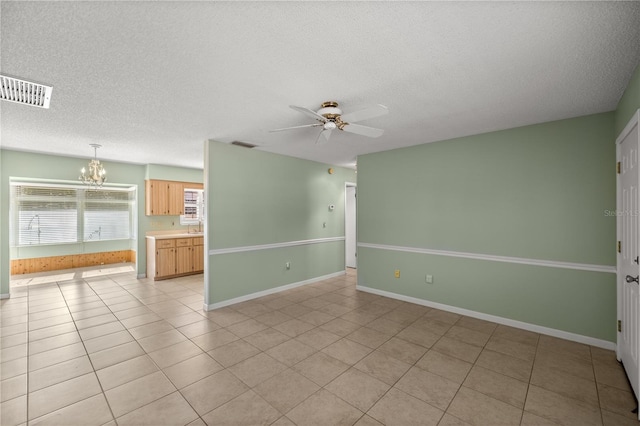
x=56, y=214
x=45, y=215
x=107, y=215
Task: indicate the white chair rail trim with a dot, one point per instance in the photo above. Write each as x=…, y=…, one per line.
x=494, y=258
x=274, y=245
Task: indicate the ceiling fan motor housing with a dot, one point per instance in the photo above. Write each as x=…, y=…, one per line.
x=330, y=110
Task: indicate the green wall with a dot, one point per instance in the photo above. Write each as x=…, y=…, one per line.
x=258, y=198
x=180, y=174
x=536, y=192
x=18, y=164
x=629, y=103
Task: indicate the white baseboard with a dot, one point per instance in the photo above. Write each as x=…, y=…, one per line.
x=270, y=291
x=4, y=296
x=605, y=344
x=141, y=276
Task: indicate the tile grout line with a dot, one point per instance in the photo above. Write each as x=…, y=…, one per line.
x=316, y=327
x=83, y=343
x=526, y=396
x=595, y=378
x=28, y=344
x=87, y=352
x=153, y=361
x=145, y=352
x=288, y=368
x=468, y=372
x=364, y=413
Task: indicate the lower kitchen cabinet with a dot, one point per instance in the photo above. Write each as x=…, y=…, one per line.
x=198, y=255
x=172, y=257
x=165, y=262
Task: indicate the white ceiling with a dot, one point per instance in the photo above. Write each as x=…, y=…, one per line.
x=151, y=81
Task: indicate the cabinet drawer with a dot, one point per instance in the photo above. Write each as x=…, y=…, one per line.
x=198, y=241
x=183, y=242
x=165, y=243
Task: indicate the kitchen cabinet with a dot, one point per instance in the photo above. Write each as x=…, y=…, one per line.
x=165, y=258
x=172, y=257
x=175, y=205
x=184, y=256
x=165, y=197
x=198, y=254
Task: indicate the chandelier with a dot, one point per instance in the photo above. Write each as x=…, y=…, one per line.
x=96, y=175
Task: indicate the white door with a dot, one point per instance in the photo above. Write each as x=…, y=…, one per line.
x=350, y=227
x=628, y=261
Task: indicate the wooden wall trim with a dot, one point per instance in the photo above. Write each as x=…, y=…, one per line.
x=56, y=263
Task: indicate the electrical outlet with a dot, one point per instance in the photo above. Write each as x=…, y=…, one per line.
x=287, y=265
x=429, y=279
x=397, y=273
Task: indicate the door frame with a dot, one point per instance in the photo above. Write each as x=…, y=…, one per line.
x=346, y=185
x=633, y=123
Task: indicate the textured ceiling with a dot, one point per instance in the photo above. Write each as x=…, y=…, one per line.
x=151, y=81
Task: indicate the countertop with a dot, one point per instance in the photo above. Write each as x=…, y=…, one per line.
x=168, y=235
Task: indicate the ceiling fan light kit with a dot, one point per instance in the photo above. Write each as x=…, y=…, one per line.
x=330, y=117
x=330, y=125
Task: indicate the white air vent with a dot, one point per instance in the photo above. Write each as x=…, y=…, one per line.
x=24, y=92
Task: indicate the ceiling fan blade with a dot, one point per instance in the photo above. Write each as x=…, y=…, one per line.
x=308, y=112
x=364, y=114
x=296, y=127
x=358, y=129
x=326, y=133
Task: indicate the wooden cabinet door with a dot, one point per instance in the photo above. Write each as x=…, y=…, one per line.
x=157, y=197
x=175, y=201
x=198, y=258
x=184, y=260
x=165, y=262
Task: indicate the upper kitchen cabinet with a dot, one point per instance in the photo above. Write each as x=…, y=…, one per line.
x=166, y=198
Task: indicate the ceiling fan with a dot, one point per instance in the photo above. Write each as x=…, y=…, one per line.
x=330, y=117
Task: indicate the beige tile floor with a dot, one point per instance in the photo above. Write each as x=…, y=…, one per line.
x=81, y=347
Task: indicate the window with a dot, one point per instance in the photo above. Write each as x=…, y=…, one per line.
x=45, y=215
x=107, y=215
x=56, y=214
x=193, y=207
